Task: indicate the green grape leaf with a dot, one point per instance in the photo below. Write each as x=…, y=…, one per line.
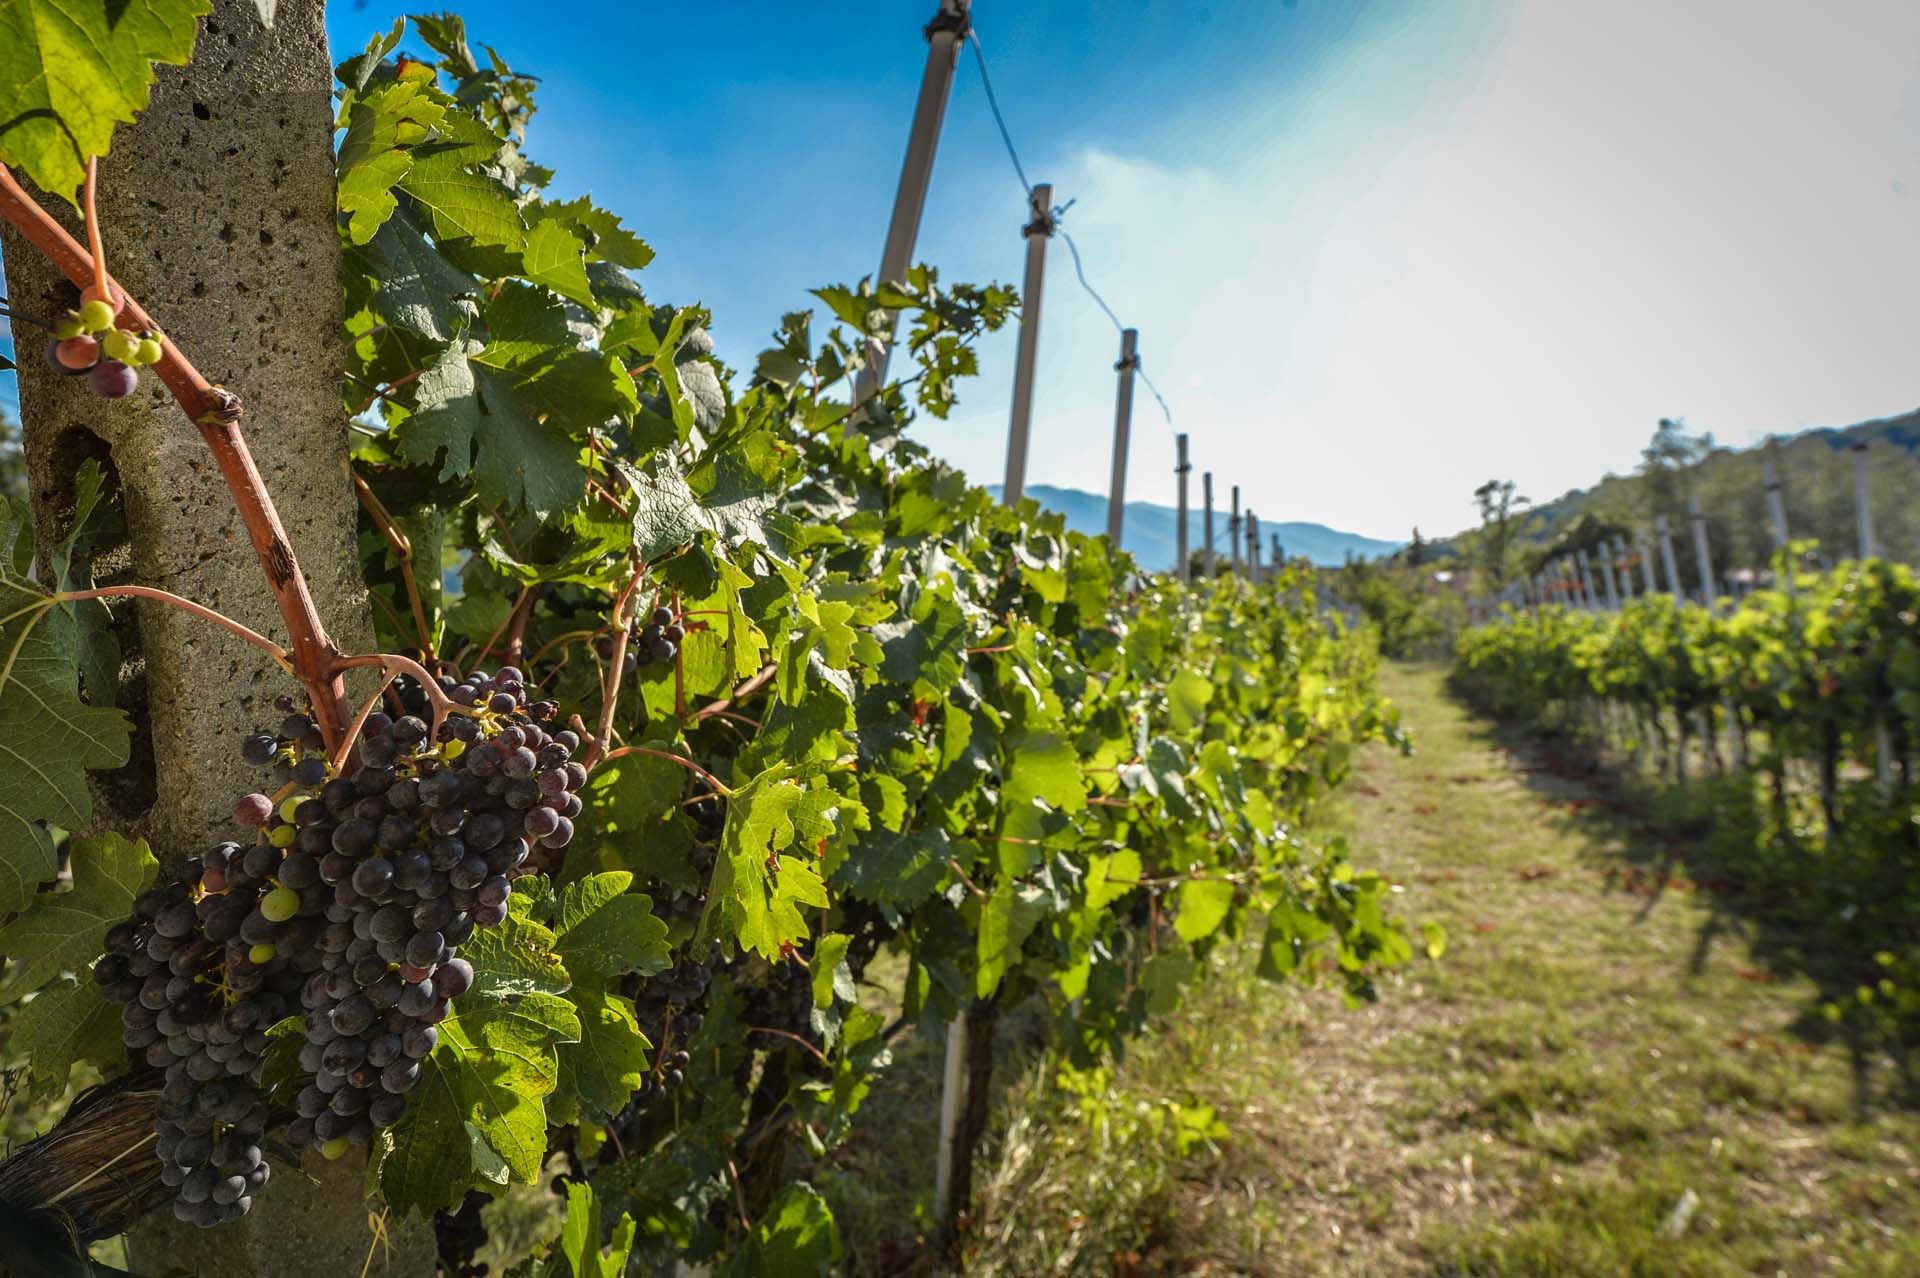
x=61, y=1017
x=600, y=1073
x=554, y=256
x=464, y=206
x=580, y=1239
x=1203, y=907
x=512, y=413
x=62, y=931
x=1187, y=695
x=1007, y=918
x=602, y=930
x=477, y=1116
x=831, y=976
x=757, y=892
x=607, y=240
x=893, y=868
x=49, y=739
x=71, y=70
x=366, y=193
x=796, y=1238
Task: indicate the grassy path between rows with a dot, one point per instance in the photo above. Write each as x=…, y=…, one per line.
x=1597, y=1079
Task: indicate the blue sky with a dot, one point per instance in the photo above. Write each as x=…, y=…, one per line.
x=1378, y=252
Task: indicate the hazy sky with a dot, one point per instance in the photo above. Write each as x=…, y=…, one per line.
x=1378, y=252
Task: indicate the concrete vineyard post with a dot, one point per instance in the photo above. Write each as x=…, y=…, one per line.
x=224, y=178
x=1605, y=557
x=1206, y=521
x=1863, y=502
x=1624, y=563
x=1253, y=546
x=1180, y=469
x=1702, y=557
x=1122, y=433
x=1667, y=561
x=953, y=1088
x=1644, y=551
x=1233, y=530
x=1863, y=514
x=1037, y=231
x=945, y=33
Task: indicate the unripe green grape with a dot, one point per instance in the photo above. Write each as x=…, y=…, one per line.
x=334, y=1148
x=263, y=953
x=290, y=805
x=283, y=836
x=149, y=351
x=280, y=904
x=96, y=316
x=67, y=325
x=121, y=345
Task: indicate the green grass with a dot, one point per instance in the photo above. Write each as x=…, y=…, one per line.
x=1603, y=1041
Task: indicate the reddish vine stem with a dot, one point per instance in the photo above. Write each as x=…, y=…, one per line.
x=201, y=611
x=101, y=282
x=741, y=693
x=216, y=414
x=402, y=548
x=719, y=787
x=791, y=1037
x=610, y=685
x=381, y=392
x=395, y=664
x=360, y=721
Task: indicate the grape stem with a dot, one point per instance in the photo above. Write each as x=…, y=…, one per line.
x=610, y=683
x=102, y=283
x=215, y=412
x=720, y=787
x=791, y=1037
x=402, y=549
x=360, y=721
x=42, y=607
x=394, y=664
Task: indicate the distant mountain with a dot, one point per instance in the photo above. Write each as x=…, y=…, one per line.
x=1149, y=530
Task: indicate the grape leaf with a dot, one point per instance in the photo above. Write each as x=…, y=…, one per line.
x=1204, y=904
x=756, y=892
x=797, y=1237
x=477, y=1116
x=580, y=1239
x=602, y=930
x=554, y=256
x=63, y=931
x=61, y=1018
x=49, y=739
x=71, y=70
x=513, y=412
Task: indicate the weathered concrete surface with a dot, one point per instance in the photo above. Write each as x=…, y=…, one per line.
x=218, y=212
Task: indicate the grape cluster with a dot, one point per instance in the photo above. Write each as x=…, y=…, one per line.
x=656, y=643
x=88, y=342
x=348, y=910
x=416, y=848
x=663, y=1008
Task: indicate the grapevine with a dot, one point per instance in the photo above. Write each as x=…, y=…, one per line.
x=774, y=693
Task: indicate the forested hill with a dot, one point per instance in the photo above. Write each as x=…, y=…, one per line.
x=1816, y=476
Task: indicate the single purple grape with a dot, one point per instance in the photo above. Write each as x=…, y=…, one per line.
x=110, y=379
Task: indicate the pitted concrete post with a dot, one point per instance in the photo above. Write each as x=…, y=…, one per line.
x=218, y=213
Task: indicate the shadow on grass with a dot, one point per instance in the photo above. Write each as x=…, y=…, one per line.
x=1838, y=912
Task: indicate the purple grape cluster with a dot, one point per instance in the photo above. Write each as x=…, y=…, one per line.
x=656, y=643
x=417, y=847
x=350, y=908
